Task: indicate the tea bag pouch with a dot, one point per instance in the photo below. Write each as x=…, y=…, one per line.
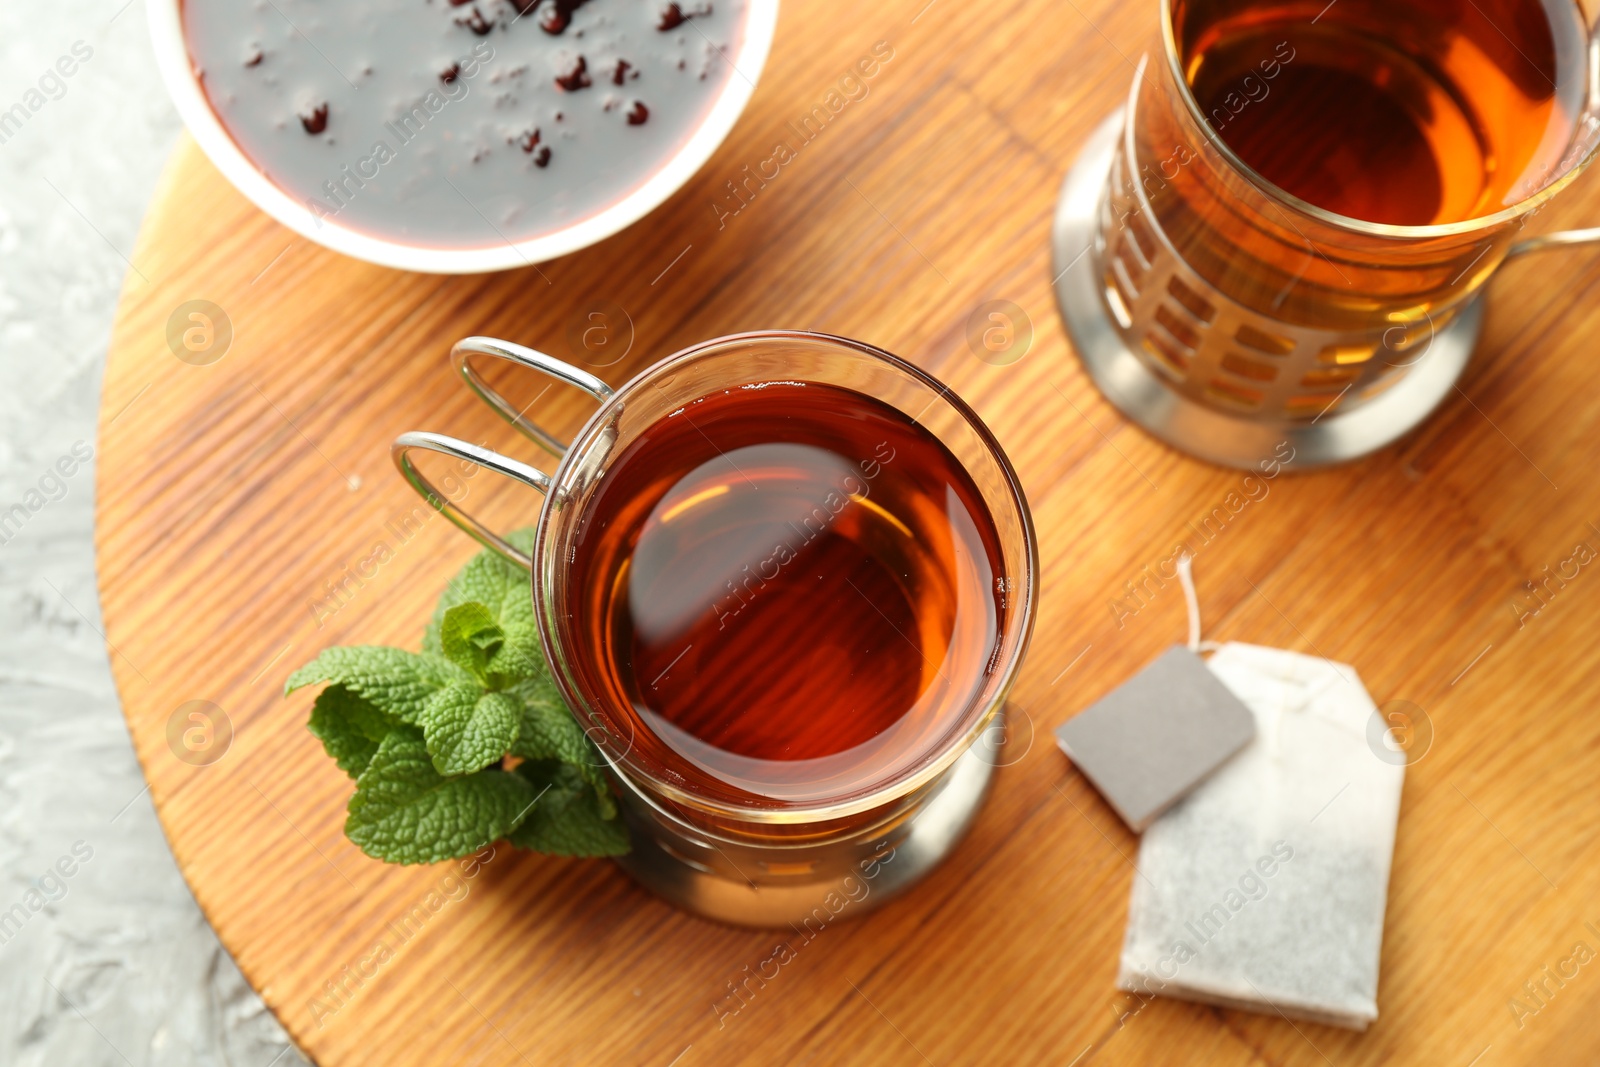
x=1265, y=887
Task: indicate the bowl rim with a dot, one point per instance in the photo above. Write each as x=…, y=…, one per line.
x=165, y=19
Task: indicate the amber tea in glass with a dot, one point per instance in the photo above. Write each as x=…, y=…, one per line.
x=788, y=590
x=1405, y=112
x=1340, y=165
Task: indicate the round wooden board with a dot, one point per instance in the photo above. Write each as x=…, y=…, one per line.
x=243, y=505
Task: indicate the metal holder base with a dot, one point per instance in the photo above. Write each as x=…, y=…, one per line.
x=903, y=859
x=1207, y=432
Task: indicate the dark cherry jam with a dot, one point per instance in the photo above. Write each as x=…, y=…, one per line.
x=461, y=123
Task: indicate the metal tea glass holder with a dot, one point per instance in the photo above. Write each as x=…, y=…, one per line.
x=1240, y=324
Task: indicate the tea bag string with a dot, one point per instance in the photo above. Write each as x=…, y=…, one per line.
x=1192, y=603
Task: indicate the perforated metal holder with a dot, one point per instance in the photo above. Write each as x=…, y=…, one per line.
x=1206, y=374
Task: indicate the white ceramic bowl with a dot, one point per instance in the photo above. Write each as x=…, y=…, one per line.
x=172, y=56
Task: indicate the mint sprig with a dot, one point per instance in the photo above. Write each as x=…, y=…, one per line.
x=467, y=741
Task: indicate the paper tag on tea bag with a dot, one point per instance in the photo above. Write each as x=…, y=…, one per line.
x=1154, y=737
x=1150, y=740
x=1265, y=887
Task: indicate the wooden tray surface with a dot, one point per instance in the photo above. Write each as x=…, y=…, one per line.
x=237, y=498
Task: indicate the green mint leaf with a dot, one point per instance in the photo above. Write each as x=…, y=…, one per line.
x=549, y=732
x=519, y=657
x=470, y=637
x=567, y=819
x=404, y=811
x=468, y=729
x=397, y=682
x=548, y=729
x=498, y=584
x=349, y=727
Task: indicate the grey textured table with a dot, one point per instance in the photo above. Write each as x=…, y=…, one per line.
x=119, y=967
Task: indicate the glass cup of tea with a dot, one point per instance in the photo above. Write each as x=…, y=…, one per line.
x=784, y=581
x=1274, y=252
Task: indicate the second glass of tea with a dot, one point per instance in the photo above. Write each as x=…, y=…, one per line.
x=785, y=581
x=1276, y=248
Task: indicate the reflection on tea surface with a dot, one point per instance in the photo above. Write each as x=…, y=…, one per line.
x=793, y=586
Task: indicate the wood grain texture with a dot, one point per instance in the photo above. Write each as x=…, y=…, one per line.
x=232, y=495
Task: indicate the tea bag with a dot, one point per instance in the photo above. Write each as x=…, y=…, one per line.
x=1265, y=887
